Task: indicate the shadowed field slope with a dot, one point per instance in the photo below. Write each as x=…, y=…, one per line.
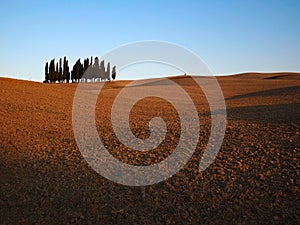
x=254, y=179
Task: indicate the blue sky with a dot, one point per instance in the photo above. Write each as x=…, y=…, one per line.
x=229, y=36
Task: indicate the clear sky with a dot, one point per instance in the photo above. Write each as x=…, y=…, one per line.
x=229, y=36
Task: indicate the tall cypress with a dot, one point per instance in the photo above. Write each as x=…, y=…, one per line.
x=64, y=73
x=86, y=67
x=96, y=69
x=102, y=71
x=108, y=71
x=52, y=71
x=81, y=70
x=59, y=78
x=67, y=72
x=113, y=73
x=46, y=73
x=77, y=70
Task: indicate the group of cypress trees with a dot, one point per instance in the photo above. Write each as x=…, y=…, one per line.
x=94, y=72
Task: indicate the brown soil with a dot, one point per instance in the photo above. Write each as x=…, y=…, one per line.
x=254, y=179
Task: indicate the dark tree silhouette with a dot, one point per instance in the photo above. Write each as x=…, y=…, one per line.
x=46, y=73
x=77, y=71
x=113, y=73
x=94, y=72
x=56, y=72
x=86, y=68
x=86, y=64
x=59, y=72
x=102, y=71
x=96, y=69
x=107, y=73
x=64, y=73
x=52, y=71
x=73, y=75
x=68, y=72
x=81, y=70
x=91, y=70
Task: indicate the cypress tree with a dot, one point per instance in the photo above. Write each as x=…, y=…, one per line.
x=91, y=70
x=96, y=69
x=52, y=71
x=78, y=71
x=46, y=73
x=73, y=73
x=60, y=71
x=67, y=72
x=86, y=68
x=108, y=71
x=86, y=64
x=113, y=74
x=56, y=72
x=81, y=70
x=102, y=70
x=64, y=73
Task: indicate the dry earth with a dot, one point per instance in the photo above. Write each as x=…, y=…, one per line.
x=254, y=179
